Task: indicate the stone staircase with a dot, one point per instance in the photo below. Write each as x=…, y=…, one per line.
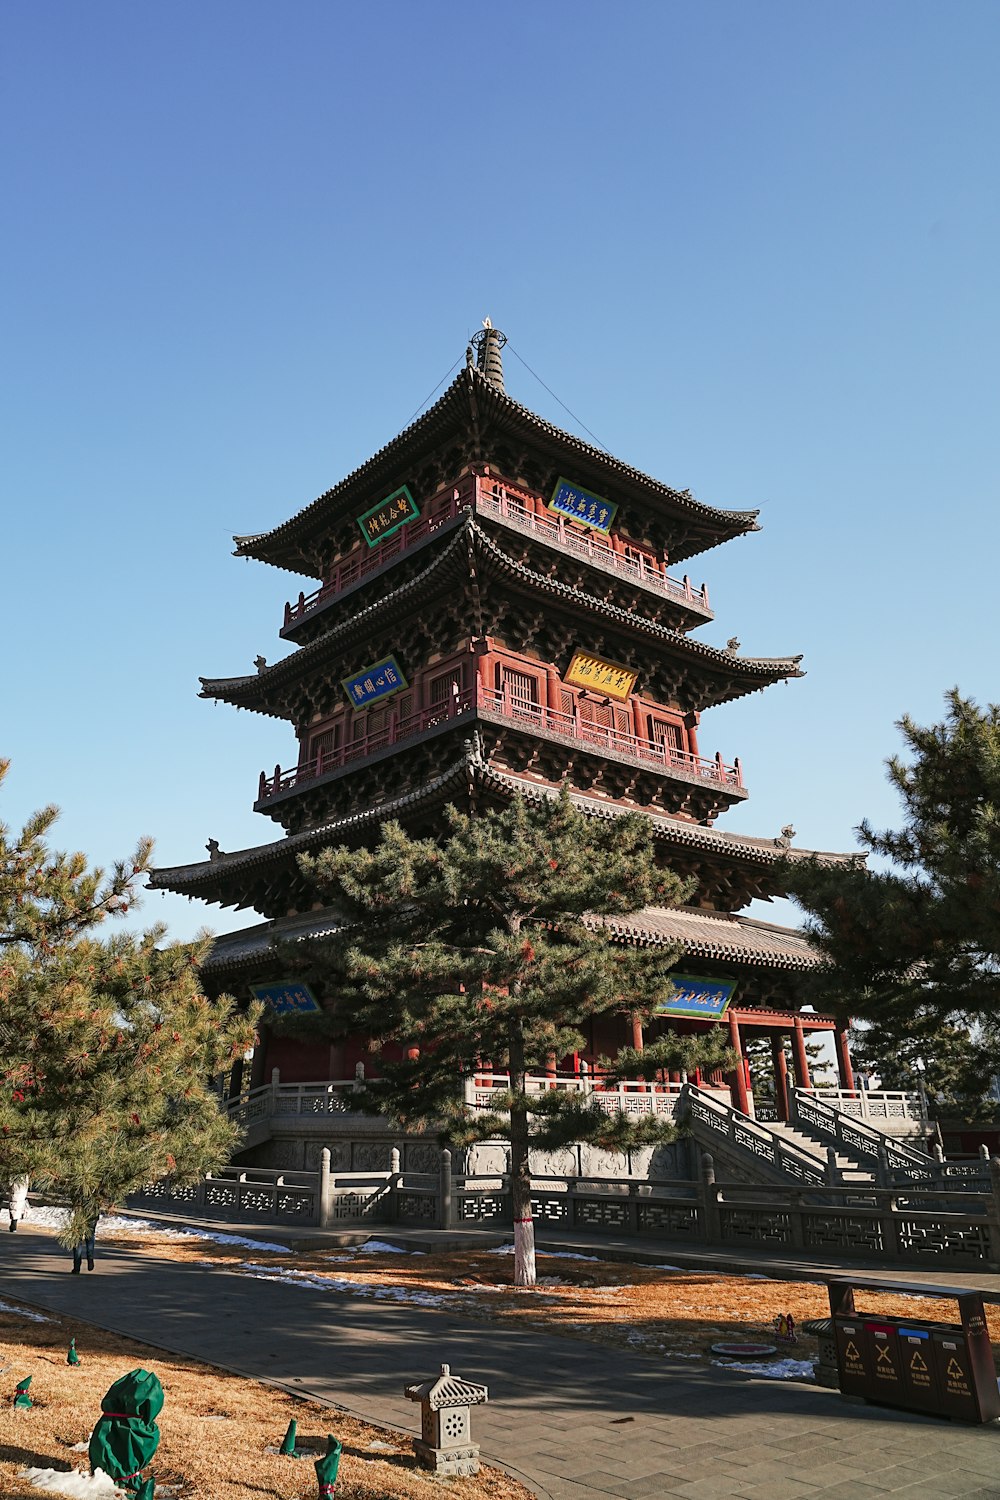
x=845, y=1168
x=821, y=1146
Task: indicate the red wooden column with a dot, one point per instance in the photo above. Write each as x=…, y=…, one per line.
x=637, y=1042
x=742, y=1100
x=801, y=1060
x=553, y=690
x=780, y=1062
x=843, y=1056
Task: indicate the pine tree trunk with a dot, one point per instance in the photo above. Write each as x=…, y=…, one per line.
x=520, y=1177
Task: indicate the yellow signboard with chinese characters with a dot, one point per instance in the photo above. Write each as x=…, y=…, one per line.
x=600, y=676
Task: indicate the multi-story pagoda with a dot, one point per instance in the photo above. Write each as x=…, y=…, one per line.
x=499, y=610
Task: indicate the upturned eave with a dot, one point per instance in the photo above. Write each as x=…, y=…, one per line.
x=475, y=409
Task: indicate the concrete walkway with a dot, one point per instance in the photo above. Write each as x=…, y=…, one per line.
x=573, y=1420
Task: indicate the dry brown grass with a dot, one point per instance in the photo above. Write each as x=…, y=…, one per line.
x=216, y=1428
x=644, y=1308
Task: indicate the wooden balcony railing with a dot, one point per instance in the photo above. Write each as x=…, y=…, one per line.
x=530, y=716
x=372, y=559
x=499, y=501
x=491, y=498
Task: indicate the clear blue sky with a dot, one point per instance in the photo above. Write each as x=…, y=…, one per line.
x=754, y=247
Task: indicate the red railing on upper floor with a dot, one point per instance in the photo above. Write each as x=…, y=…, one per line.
x=493, y=498
x=498, y=499
x=502, y=705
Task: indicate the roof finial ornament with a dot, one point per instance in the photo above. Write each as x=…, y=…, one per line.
x=732, y=645
x=787, y=834
x=487, y=342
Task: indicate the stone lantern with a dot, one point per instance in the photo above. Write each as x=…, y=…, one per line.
x=445, y=1443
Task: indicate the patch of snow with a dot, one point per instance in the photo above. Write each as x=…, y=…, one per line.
x=549, y=1254
x=96, y=1486
x=681, y=1354
x=753, y=1276
x=24, y=1312
x=341, y=1284
x=382, y=1247
x=665, y=1267
x=775, y=1369
x=377, y=1446
x=48, y=1217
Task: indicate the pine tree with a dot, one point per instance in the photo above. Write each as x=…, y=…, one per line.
x=759, y=1056
x=914, y=945
x=487, y=948
x=954, y=1061
x=107, y=1044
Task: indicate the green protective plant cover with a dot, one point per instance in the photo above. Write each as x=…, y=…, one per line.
x=126, y=1435
x=288, y=1441
x=328, y=1466
x=72, y=1358
x=21, y=1397
x=146, y=1490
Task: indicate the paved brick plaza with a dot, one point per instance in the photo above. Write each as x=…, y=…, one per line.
x=572, y=1421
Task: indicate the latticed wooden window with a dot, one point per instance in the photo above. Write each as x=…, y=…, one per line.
x=521, y=691
x=669, y=737
x=446, y=687
x=323, y=747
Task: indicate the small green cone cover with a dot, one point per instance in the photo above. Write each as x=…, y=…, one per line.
x=126, y=1435
x=288, y=1441
x=72, y=1357
x=327, y=1467
x=21, y=1397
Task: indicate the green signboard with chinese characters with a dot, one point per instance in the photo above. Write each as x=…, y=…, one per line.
x=577, y=504
x=377, y=681
x=705, y=998
x=388, y=516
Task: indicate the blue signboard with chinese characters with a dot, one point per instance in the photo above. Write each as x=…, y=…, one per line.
x=705, y=998
x=377, y=681
x=578, y=504
x=385, y=518
x=290, y=999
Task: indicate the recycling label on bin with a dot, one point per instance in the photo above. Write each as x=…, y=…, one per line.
x=958, y=1396
x=853, y=1366
x=917, y=1366
x=883, y=1345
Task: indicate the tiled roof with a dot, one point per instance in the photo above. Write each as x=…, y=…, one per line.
x=703, y=934
x=717, y=935
x=177, y=877
x=743, y=848
x=234, y=949
x=471, y=388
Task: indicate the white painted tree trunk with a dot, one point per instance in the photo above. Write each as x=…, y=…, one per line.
x=524, y=1252
x=19, y=1197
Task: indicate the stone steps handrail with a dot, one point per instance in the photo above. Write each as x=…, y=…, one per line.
x=751, y=1140
x=855, y=1135
x=895, y=1162
x=878, y=1104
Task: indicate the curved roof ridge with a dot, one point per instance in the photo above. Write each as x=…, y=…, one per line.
x=466, y=381
x=295, y=842
x=351, y=623
x=629, y=618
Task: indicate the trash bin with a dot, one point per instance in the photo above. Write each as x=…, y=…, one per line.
x=917, y=1364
